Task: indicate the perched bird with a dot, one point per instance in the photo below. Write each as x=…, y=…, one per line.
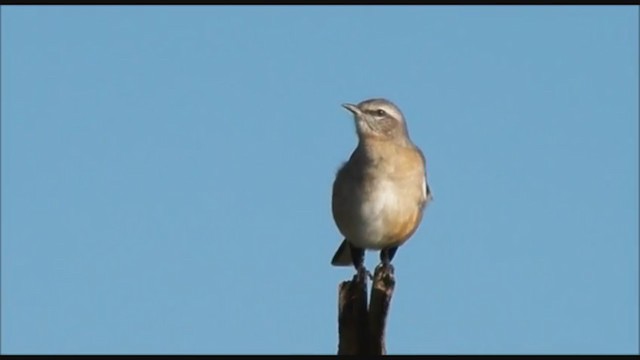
x=380, y=193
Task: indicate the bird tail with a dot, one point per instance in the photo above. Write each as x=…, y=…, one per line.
x=342, y=257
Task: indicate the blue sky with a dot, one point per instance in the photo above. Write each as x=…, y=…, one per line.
x=166, y=176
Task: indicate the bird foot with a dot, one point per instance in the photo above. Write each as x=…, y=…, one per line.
x=386, y=267
x=364, y=274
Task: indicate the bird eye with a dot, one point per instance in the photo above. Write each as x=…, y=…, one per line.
x=381, y=112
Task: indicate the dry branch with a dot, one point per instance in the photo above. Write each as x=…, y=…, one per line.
x=362, y=328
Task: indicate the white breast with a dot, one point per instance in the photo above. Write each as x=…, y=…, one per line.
x=369, y=230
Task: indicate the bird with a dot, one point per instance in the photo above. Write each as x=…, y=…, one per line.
x=380, y=193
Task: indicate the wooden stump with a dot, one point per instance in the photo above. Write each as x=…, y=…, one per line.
x=362, y=328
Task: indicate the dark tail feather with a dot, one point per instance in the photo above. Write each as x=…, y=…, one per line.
x=342, y=257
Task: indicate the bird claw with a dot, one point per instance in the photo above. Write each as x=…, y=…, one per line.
x=364, y=274
x=388, y=268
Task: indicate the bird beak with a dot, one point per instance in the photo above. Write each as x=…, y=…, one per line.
x=353, y=108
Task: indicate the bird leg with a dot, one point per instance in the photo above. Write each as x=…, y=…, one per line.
x=386, y=255
x=357, y=257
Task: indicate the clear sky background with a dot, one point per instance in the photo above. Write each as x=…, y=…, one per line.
x=167, y=171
